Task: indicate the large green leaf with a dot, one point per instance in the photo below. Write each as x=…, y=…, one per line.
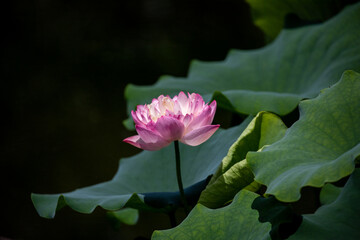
x=128, y=216
x=141, y=179
x=236, y=221
x=282, y=217
x=329, y=193
x=269, y=15
x=321, y=147
x=297, y=65
x=336, y=220
x=234, y=173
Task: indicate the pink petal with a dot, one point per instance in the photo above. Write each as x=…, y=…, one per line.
x=197, y=103
x=142, y=114
x=153, y=146
x=139, y=143
x=213, y=110
x=148, y=136
x=177, y=107
x=181, y=104
x=187, y=119
x=133, y=140
x=156, y=100
x=169, y=128
x=205, y=118
x=199, y=135
x=136, y=119
x=154, y=110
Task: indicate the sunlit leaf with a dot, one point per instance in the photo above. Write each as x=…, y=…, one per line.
x=338, y=219
x=234, y=173
x=297, y=65
x=148, y=179
x=321, y=147
x=236, y=221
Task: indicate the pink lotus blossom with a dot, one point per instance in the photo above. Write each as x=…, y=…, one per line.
x=184, y=118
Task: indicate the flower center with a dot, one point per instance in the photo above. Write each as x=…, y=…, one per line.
x=159, y=108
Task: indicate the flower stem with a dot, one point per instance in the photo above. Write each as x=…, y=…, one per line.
x=172, y=219
x=178, y=175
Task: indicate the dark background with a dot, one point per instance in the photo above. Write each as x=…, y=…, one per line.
x=64, y=66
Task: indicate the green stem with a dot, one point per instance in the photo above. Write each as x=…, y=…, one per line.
x=172, y=218
x=178, y=175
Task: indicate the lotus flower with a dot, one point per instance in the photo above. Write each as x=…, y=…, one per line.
x=182, y=118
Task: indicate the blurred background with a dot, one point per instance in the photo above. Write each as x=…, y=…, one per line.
x=64, y=67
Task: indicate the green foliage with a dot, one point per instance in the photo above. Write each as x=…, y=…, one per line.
x=338, y=219
x=329, y=193
x=269, y=15
x=234, y=173
x=321, y=147
x=128, y=216
x=297, y=65
x=235, y=221
x=143, y=174
x=283, y=219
